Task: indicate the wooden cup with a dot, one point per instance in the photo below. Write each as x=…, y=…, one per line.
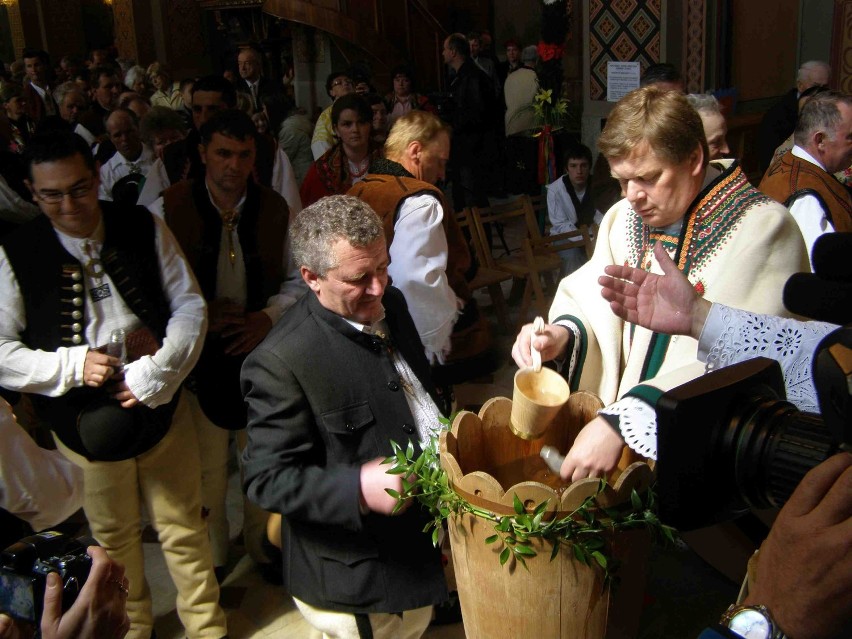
x=537, y=399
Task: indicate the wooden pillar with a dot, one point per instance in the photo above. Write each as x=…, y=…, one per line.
x=16, y=26
x=134, y=30
x=841, y=47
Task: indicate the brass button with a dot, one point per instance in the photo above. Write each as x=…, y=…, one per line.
x=76, y=276
x=77, y=288
x=77, y=301
x=77, y=314
x=76, y=327
x=76, y=339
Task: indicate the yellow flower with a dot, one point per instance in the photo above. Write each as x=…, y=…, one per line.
x=544, y=95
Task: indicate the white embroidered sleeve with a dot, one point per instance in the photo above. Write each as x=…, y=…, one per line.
x=731, y=335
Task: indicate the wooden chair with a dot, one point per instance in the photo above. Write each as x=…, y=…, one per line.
x=519, y=223
x=486, y=277
x=534, y=250
x=539, y=205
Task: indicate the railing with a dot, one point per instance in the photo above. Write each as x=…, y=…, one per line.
x=391, y=31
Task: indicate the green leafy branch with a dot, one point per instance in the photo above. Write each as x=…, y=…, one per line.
x=586, y=531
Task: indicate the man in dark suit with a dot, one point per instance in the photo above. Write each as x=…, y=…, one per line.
x=37, y=90
x=252, y=82
x=340, y=375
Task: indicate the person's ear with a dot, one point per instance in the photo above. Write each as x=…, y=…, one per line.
x=202, y=151
x=696, y=161
x=310, y=278
x=414, y=150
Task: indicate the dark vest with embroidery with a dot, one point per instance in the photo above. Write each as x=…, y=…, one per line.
x=262, y=234
x=790, y=178
x=51, y=283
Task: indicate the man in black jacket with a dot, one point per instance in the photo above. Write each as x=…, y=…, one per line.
x=339, y=376
x=473, y=115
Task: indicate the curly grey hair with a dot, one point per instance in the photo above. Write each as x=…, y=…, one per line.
x=333, y=218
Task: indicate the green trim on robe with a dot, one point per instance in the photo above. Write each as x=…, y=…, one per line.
x=574, y=380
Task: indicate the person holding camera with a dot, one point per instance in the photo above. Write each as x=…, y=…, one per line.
x=39, y=488
x=804, y=562
x=99, y=612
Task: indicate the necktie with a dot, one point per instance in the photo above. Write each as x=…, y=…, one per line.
x=230, y=218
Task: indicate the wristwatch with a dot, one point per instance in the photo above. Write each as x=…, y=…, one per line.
x=751, y=622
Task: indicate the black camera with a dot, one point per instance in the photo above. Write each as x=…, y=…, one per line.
x=729, y=441
x=24, y=567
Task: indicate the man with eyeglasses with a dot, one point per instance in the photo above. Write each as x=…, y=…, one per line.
x=182, y=160
x=98, y=268
x=337, y=84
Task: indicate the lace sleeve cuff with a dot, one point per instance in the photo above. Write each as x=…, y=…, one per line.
x=637, y=423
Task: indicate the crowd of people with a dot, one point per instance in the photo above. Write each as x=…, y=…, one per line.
x=307, y=286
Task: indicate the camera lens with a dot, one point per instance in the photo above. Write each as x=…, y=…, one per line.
x=774, y=446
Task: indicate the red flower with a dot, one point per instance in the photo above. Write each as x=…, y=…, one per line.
x=547, y=51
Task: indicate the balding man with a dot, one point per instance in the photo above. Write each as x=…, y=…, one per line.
x=780, y=119
x=801, y=178
x=131, y=162
x=428, y=253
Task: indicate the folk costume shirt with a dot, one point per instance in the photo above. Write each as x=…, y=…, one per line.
x=735, y=245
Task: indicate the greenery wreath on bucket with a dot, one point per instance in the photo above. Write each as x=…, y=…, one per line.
x=586, y=531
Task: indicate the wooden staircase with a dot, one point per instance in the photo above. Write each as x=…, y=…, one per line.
x=390, y=31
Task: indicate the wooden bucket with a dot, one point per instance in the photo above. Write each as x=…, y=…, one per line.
x=561, y=599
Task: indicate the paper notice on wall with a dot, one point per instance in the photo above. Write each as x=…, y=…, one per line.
x=621, y=79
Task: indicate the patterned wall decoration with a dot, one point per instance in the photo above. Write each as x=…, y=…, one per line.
x=622, y=31
x=841, y=46
x=694, y=36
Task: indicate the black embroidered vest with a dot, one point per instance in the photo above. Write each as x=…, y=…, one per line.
x=51, y=283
